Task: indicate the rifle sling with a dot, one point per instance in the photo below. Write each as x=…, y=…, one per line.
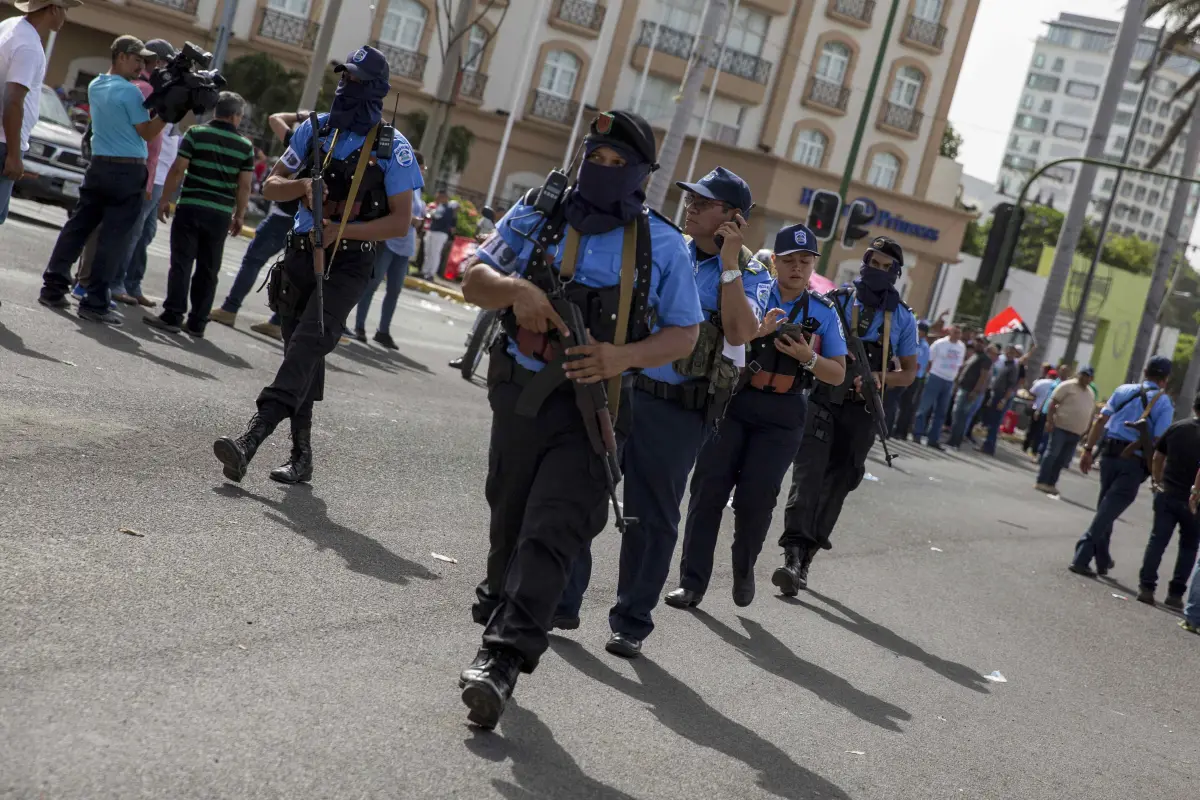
x=360, y=169
x=886, y=340
x=629, y=248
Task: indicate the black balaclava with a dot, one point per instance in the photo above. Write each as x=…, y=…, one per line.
x=358, y=105
x=605, y=198
x=876, y=288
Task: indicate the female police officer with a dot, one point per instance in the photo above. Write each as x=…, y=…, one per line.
x=546, y=485
x=382, y=210
x=839, y=431
x=762, y=428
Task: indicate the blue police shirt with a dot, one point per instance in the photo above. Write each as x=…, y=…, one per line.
x=400, y=173
x=1125, y=406
x=672, y=287
x=833, y=338
x=756, y=282
x=904, y=326
x=922, y=357
x=116, y=106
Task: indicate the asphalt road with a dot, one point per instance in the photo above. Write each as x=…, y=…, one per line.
x=265, y=642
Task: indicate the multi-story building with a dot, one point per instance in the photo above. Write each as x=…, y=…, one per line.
x=789, y=88
x=1058, y=106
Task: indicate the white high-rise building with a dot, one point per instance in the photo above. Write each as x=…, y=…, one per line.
x=1055, y=114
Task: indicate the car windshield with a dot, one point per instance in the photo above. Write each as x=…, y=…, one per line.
x=51, y=109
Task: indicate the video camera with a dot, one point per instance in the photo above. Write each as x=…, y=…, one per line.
x=185, y=83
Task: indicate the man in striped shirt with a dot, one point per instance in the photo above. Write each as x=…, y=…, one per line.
x=216, y=167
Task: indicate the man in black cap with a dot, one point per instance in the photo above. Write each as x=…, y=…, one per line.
x=357, y=218
x=629, y=275
x=839, y=431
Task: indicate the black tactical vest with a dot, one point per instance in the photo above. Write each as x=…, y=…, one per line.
x=768, y=369
x=339, y=174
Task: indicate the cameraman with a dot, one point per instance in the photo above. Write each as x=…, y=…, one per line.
x=113, y=187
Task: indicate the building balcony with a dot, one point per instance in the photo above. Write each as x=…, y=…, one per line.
x=553, y=108
x=924, y=34
x=826, y=95
x=403, y=63
x=472, y=86
x=901, y=119
x=287, y=29
x=580, y=16
x=679, y=44
x=853, y=12
x=182, y=6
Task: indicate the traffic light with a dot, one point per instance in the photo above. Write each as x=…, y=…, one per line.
x=823, y=210
x=1003, y=215
x=859, y=215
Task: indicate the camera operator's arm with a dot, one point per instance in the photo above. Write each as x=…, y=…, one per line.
x=148, y=130
x=14, y=116
x=171, y=187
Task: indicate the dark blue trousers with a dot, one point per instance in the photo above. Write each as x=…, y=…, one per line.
x=1169, y=511
x=747, y=457
x=1119, y=482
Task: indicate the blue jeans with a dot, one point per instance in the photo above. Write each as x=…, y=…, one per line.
x=932, y=411
x=129, y=278
x=1119, y=482
x=1057, y=455
x=1169, y=511
x=269, y=238
x=994, y=418
x=6, y=186
x=1192, y=609
x=965, y=410
x=395, y=268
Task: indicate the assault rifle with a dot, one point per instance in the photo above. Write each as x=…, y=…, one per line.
x=862, y=369
x=318, y=215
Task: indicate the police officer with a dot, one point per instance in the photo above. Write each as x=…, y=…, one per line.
x=800, y=341
x=839, y=430
x=1133, y=418
x=380, y=210
x=600, y=248
x=675, y=406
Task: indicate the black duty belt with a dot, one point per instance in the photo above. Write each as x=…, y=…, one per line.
x=1114, y=447
x=503, y=368
x=693, y=395
x=117, y=160
x=301, y=242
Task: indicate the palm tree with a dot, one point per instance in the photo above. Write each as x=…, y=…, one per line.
x=1183, y=24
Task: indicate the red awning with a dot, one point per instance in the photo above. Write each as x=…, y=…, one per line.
x=1007, y=321
x=821, y=284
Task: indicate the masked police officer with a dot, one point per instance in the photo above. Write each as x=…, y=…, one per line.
x=799, y=342
x=380, y=210
x=839, y=431
x=629, y=273
x=1131, y=421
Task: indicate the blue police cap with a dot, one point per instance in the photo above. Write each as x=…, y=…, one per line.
x=723, y=185
x=366, y=64
x=795, y=239
x=1159, y=367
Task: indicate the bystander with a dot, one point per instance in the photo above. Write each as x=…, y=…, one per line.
x=1040, y=392
x=1068, y=415
x=945, y=361
x=972, y=381
x=439, y=234
x=902, y=403
x=1005, y=382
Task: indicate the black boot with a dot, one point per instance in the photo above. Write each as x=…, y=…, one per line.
x=488, y=690
x=299, y=468
x=235, y=454
x=789, y=577
x=475, y=668
x=809, y=554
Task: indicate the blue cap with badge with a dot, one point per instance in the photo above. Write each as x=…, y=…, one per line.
x=1159, y=367
x=722, y=185
x=795, y=239
x=366, y=64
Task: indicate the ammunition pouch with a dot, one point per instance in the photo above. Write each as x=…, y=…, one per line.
x=707, y=360
x=274, y=284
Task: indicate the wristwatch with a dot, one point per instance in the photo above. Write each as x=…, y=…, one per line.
x=730, y=275
x=811, y=363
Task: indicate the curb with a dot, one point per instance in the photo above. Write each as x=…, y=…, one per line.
x=429, y=287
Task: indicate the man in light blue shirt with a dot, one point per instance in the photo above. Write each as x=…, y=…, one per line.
x=391, y=263
x=114, y=186
x=1131, y=406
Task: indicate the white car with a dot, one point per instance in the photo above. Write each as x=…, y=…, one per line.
x=54, y=163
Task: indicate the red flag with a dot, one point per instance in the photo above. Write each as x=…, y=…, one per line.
x=1007, y=321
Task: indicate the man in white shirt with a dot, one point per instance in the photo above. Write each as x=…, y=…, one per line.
x=946, y=357
x=1040, y=390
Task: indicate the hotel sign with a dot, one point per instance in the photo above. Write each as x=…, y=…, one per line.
x=883, y=218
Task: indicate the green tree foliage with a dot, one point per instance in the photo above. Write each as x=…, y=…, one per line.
x=974, y=238
x=952, y=142
x=458, y=140
x=1180, y=359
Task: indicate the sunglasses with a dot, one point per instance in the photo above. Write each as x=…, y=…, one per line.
x=703, y=203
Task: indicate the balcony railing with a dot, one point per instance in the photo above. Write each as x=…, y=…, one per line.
x=828, y=94
x=288, y=28
x=679, y=44
x=185, y=6
x=472, y=86
x=901, y=118
x=861, y=10
x=544, y=105
x=583, y=13
x=403, y=63
x=922, y=31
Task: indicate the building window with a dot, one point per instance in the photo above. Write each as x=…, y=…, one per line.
x=885, y=169
x=1061, y=35
x=1028, y=123
x=1065, y=130
x=1159, y=180
x=1058, y=65
x=907, y=88
x=1164, y=110
x=1126, y=189
x=403, y=24
x=1143, y=50
x=1130, y=96
x=1084, y=91
x=1119, y=143
x=473, y=58
x=559, y=73
x=1159, y=129
x=1151, y=105
x=683, y=15
x=1139, y=194
x=928, y=10
x=1027, y=100
x=1123, y=118
x=1139, y=147
x=1153, y=197
x=1035, y=146
x=1107, y=185
x=810, y=148
x=748, y=32
x=1014, y=142
x=1096, y=42
x=1165, y=86
x=1039, y=60
x=835, y=59
x=1046, y=83
x=296, y=8
x=1019, y=163
x=1047, y=106
x=1144, y=125
x=1147, y=218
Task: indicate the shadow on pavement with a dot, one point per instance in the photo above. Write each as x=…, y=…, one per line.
x=122, y=342
x=388, y=361
x=541, y=766
x=877, y=634
x=764, y=650
x=307, y=515
x=10, y=341
x=685, y=712
x=182, y=341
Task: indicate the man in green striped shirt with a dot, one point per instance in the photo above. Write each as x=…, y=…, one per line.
x=215, y=166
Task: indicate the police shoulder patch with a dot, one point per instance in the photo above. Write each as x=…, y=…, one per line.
x=764, y=292
x=404, y=155
x=291, y=159
x=755, y=267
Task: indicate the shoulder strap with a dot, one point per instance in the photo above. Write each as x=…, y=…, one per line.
x=624, y=304
x=570, y=255
x=360, y=169
x=1150, y=405
x=887, y=340
x=796, y=309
